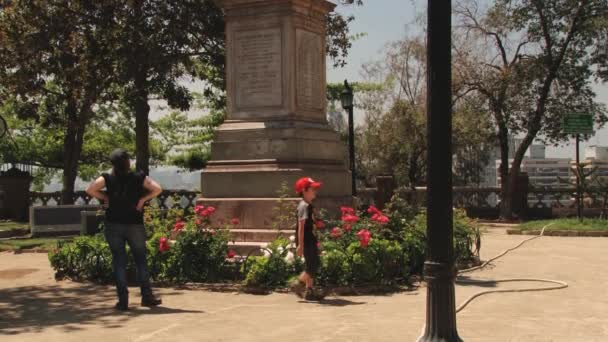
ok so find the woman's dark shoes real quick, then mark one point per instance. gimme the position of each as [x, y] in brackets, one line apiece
[122, 306]
[150, 300]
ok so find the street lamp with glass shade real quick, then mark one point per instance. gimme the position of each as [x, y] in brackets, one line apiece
[346, 97]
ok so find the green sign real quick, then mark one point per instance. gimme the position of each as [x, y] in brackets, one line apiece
[578, 124]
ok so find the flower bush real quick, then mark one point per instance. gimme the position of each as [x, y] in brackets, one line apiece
[275, 268]
[182, 247]
[365, 247]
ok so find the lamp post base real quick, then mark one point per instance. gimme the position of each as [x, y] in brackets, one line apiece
[440, 303]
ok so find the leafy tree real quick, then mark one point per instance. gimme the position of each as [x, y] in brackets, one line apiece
[62, 59]
[42, 146]
[533, 62]
[186, 141]
[393, 138]
[54, 70]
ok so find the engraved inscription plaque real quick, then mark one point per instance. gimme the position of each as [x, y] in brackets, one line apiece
[258, 68]
[309, 70]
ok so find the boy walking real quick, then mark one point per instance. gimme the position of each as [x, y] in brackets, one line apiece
[306, 241]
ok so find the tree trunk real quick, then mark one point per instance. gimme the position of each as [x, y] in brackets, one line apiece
[516, 166]
[72, 149]
[506, 208]
[142, 126]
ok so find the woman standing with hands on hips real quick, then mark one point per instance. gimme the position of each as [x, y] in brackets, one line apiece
[124, 199]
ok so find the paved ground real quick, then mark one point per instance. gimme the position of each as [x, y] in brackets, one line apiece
[33, 307]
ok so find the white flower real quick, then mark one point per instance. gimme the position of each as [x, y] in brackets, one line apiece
[280, 249]
[292, 238]
[290, 257]
[266, 253]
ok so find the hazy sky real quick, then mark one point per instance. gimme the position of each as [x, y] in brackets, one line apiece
[387, 20]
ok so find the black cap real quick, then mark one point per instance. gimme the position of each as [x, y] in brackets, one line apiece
[119, 156]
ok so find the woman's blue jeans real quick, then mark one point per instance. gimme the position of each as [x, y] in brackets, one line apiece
[117, 236]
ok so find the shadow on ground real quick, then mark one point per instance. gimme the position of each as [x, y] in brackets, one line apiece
[35, 308]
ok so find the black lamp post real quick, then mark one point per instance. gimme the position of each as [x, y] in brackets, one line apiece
[439, 271]
[347, 104]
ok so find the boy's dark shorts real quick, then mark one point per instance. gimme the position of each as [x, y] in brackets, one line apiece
[312, 262]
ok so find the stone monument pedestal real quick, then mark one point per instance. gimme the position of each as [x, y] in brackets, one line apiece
[276, 128]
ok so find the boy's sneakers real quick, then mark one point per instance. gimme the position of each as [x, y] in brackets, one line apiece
[298, 288]
[314, 295]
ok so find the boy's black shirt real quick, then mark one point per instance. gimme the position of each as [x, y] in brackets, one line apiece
[305, 212]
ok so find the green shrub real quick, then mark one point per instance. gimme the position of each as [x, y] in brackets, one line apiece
[275, 268]
[335, 268]
[85, 258]
[197, 255]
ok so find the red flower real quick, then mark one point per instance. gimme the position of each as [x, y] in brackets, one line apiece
[198, 221]
[350, 218]
[207, 212]
[163, 244]
[318, 245]
[231, 254]
[347, 210]
[235, 221]
[364, 237]
[348, 227]
[373, 210]
[380, 218]
[336, 232]
[320, 224]
[179, 225]
[199, 209]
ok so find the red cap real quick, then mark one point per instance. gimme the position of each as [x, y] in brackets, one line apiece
[306, 182]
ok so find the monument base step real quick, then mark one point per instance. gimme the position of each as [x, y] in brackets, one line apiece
[256, 235]
[250, 248]
[260, 213]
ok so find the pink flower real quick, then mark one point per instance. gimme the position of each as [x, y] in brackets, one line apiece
[198, 221]
[347, 210]
[373, 210]
[320, 224]
[350, 218]
[199, 209]
[364, 237]
[318, 245]
[235, 221]
[336, 232]
[163, 244]
[179, 225]
[231, 254]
